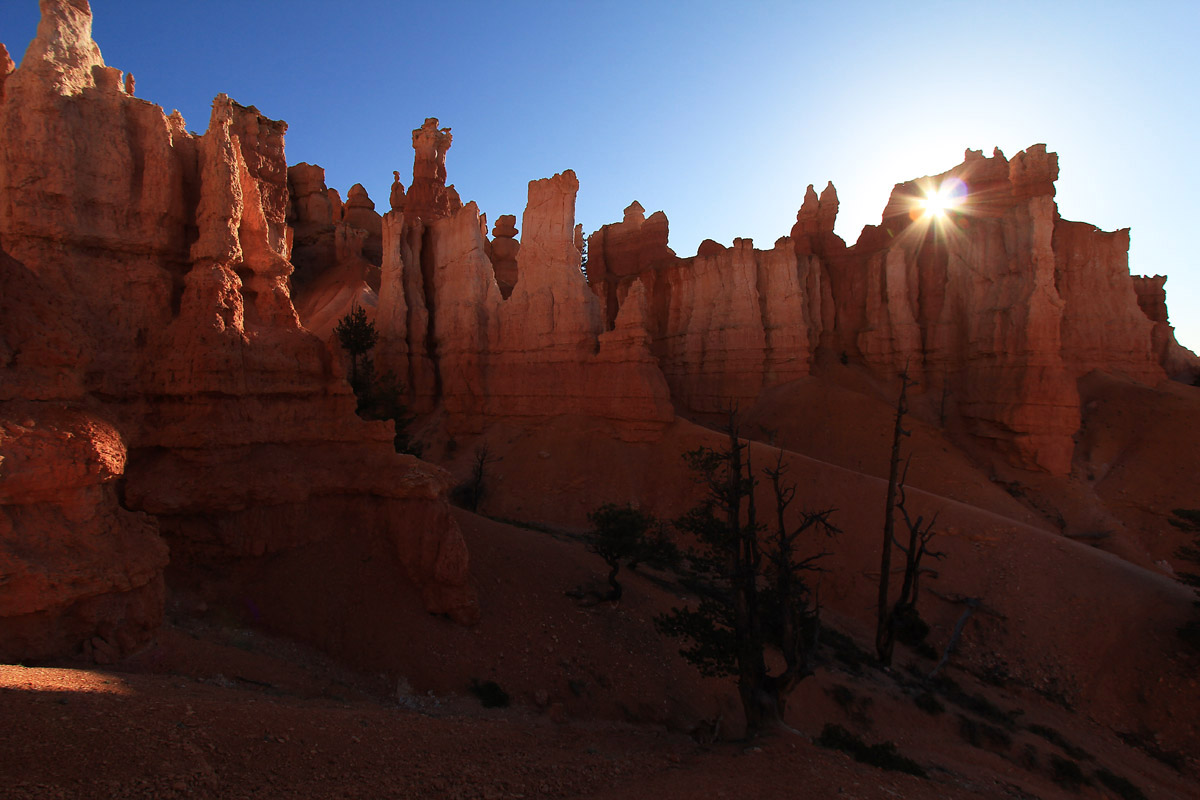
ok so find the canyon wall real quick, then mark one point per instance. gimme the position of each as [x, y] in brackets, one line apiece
[996, 307]
[159, 397]
[446, 326]
[164, 397]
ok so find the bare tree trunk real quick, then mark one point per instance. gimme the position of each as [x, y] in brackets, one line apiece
[614, 594]
[884, 632]
[972, 603]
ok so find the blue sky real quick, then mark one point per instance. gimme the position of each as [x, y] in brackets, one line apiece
[718, 113]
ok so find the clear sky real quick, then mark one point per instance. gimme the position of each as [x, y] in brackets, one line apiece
[718, 113]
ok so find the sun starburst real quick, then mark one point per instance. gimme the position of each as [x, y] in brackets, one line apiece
[947, 197]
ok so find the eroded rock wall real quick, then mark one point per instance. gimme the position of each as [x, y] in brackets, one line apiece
[537, 353]
[157, 384]
[996, 308]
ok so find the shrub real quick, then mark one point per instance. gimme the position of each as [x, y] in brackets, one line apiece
[1066, 773]
[1145, 742]
[980, 706]
[847, 651]
[490, 694]
[882, 755]
[928, 703]
[1120, 785]
[1056, 738]
[982, 735]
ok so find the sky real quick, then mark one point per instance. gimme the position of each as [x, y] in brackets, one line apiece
[718, 113]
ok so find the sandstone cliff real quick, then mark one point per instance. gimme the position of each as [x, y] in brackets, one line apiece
[158, 388]
[446, 326]
[996, 308]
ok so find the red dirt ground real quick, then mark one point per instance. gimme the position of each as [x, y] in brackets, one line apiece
[1076, 643]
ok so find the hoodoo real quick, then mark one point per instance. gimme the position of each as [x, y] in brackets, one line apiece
[177, 431]
[159, 394]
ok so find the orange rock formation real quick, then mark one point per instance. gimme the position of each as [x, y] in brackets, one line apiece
[996, 309]
[160, 384]
[158, 388]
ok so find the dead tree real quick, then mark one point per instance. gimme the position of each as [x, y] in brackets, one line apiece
[884, 637]
[903, 612]
[470, 493]
[920, 534]
[798, 607]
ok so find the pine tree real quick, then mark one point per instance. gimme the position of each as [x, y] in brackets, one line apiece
[751, 587]
[357, 336]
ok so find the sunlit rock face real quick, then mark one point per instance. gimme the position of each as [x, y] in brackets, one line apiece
[971, 282]
[157, 384]
[541, 352]
[994, 304]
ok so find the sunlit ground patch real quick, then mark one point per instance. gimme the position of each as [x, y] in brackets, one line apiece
[61, 680]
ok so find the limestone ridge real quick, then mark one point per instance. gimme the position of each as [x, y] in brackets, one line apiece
[157, 386]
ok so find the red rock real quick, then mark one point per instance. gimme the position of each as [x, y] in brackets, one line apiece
[1043, 302]
[179, 357]
[66, 544]
[625, 249]
[539, 353]
[396, 197]
[503, 252]
[428, 197]
[1179, 362]
[6, 68]
[360, 214]
[712, 341]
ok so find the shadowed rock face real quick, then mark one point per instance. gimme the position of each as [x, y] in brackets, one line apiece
[152, 349]
[996, 309]
[158, 387]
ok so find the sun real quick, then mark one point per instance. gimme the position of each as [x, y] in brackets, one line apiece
[937, 203]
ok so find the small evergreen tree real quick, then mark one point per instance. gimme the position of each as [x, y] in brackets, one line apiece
[379, 397]
[750, 586]
[357, 336]
[627, 535]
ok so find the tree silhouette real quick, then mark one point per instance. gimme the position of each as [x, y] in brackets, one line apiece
[902, 614]
[627, 535]
[751, 589]
[379, 396]
[357, 336]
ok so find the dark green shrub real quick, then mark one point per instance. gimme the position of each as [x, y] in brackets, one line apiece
[490, 694]
[910, 629]
[980, 706]
[1056, 738]
[1145, 742]
[1188, 521]
[1066, 773]
[882, 755]
[842, 695]
[857, 708]
[927, 702]
[926, 650]
[982, 735]
[846, 651]
[1120, 785]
